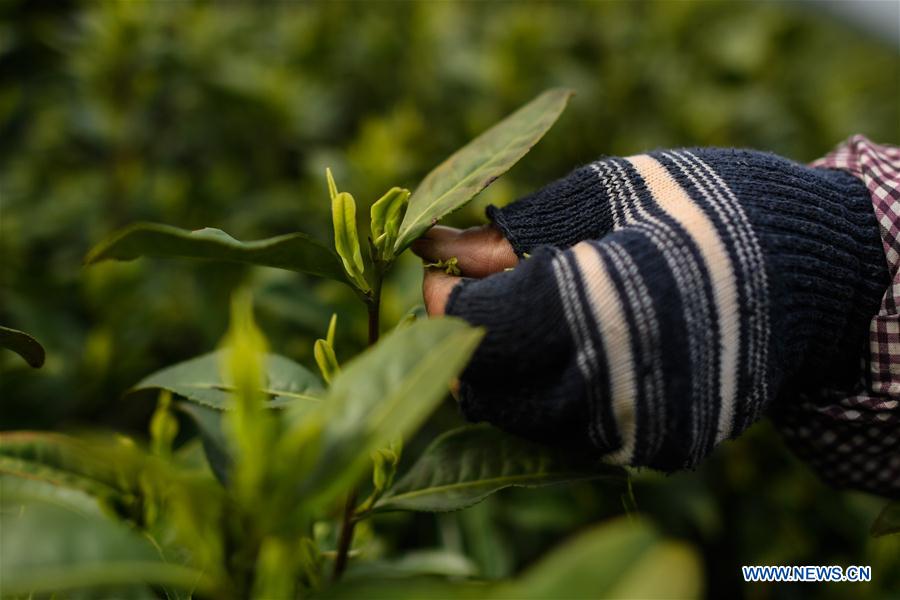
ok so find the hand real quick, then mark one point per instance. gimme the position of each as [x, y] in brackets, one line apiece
[668, 301]
[480, 251]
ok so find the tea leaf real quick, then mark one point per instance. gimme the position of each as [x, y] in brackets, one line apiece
[387, 587]
[332, 186]
[383, 394]
[490, 540]
[472, 168]
[293, 251]
[888, 521]
[50, 548]
[384, 468]
[332, 328]
[30, 484]
[22, 344]
[449, 266]
[163, 425]
[618, 559]
[200, 381]
[243, 361]
[58, 460]
[251, 427]
[207, 393]
[326, 360]
[323, 352]
[276, 568]
[346, 238]
[215, 442]
[386, 214]
[464, 466]
[438, 561]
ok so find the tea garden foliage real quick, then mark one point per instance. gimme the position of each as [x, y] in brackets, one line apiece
[284, 450]
[200, 116]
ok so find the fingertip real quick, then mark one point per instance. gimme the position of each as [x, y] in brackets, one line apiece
[431, 244]
[436, 289]
[421, 247]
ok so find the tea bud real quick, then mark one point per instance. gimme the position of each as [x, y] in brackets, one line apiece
[326, 360]
[386, 214]
[346, 238]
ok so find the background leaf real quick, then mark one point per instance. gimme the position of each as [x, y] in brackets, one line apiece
[464, 466]
[200, 380]
[57, 460]
[618, 559]
[383, 394]
[888, 521]
[77, 551]
[209, 423]
[83, 497]
[294, 251]
[207, 393]
[416, 563]
[412, 588]
[22, 344]
[472, 168]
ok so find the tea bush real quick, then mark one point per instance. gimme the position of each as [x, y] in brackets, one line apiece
[198, 116]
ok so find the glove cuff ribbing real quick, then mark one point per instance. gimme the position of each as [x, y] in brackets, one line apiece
[561, 214]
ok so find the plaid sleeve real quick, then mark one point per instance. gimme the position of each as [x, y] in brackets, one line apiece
[852, 437]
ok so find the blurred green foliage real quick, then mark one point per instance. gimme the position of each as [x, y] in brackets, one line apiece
[197, 115]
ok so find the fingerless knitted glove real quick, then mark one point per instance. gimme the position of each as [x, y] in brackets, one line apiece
[669, 299]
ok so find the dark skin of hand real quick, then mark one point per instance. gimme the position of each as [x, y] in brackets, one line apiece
[480, 251]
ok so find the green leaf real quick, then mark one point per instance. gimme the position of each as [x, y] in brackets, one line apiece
[163, 426]
[438, 561]
[323, 352]
[332, 328]
[383, 394]
[464, 466]
[326, 360]
[201, 381]
[332, 186]
[620, 559]
[22, 344]
[410, 588]
[489, 539]
[472, 168]
[57, 460]
[293, 251]
[386, 214]
[50, 548]
[346, 238]
[207, 393]
[209, 422]
[20, 485]
[888, 521]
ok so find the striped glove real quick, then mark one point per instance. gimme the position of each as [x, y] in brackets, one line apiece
[668, 299]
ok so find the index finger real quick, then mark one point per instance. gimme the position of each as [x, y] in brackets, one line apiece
[480, 251]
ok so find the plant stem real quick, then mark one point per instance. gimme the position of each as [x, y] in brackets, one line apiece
[345, 540]
[374, 307]
[348, 522]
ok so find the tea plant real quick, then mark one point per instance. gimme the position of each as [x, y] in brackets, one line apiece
[271, 507]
